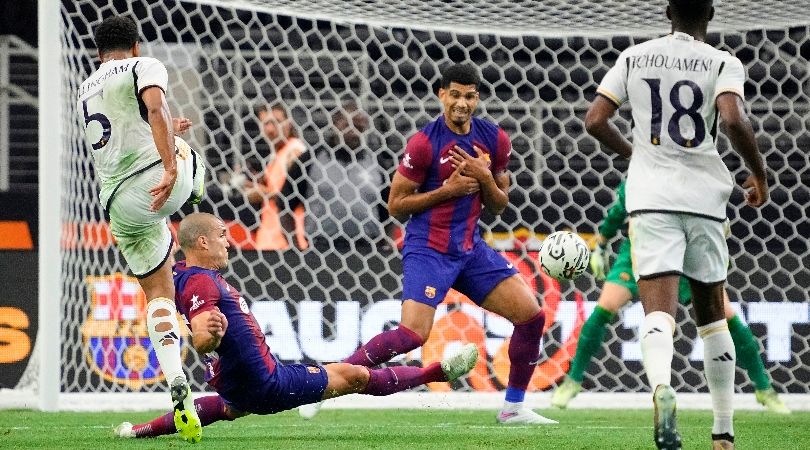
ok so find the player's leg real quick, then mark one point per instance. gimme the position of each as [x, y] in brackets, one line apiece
[749, 358]
[490, 281]
[427, 276]
[164, 332]
[658, 251]
[720, 355]
[211, 409]
[352, 379]
[423, 290]
[611, 299]
[657, 347]
[412, 332]
[619, 288]
[706, 266]
[144, 239]
[513, 300]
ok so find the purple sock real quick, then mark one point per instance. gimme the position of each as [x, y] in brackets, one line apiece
[385, 346]
[524, 351]
[210, 409]
[395, 379]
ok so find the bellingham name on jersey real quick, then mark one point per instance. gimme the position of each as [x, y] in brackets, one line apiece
[450, 227]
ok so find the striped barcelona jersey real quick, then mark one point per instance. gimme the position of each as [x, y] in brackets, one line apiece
[450, 227]
[672, 84]
[243, 357]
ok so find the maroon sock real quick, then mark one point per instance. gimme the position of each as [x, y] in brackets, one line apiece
[385, 346]
[210, 409]
[524, 351]
[395, 379]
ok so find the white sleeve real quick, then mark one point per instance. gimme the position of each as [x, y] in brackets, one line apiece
[151, 72]
[614, 85]
[731, 78]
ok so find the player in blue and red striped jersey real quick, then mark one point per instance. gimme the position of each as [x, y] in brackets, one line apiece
[451, 169]
[240, 367]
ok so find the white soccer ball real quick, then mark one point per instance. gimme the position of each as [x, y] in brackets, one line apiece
[564, 255]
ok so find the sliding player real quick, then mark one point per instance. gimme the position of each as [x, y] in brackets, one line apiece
[240, 366]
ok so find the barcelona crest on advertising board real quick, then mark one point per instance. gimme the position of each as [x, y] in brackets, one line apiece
[115, 338]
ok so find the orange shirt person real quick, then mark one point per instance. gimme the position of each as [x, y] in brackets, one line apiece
[278, 129]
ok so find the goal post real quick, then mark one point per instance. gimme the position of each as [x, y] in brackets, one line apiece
[375, 65]
[52, 148]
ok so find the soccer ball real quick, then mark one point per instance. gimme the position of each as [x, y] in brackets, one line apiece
[564, 255]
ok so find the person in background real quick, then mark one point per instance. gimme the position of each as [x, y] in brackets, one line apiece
[282, 218]
[346, 187]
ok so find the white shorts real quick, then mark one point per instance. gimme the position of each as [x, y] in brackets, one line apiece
[143, 236]
[679, 244]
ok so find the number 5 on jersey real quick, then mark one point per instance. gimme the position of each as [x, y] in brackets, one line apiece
[106, 127]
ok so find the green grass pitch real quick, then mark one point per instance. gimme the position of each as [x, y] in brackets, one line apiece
[403, 429]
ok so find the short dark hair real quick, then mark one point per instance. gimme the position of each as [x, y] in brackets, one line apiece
[275, 106]
[690, 11]
[267, 107]
[462, 74]
[116, 33]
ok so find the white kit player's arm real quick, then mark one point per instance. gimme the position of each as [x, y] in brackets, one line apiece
[598, 125]
[737, 126]
[160, 119]
[152, 81]
[612, 92]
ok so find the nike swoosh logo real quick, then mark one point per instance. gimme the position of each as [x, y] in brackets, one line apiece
[444, 160]
[509, 266]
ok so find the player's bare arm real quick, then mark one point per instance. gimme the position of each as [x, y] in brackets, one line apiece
[738, 128]
[207, 330]
[160, 120]
[404, 201]
[494, 188]
[598, 125]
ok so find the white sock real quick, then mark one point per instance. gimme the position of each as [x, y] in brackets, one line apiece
[510, 407]
[164, 332]
[657, 347]
[718, 367]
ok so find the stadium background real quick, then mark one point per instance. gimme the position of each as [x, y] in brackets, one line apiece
[561, 178]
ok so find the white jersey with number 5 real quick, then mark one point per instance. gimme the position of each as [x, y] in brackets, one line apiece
[672, 84]
[115, 121]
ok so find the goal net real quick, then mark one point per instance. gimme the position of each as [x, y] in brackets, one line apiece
[367, 71]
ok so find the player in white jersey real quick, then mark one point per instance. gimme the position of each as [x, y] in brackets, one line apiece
[146, 175]
[677, 191]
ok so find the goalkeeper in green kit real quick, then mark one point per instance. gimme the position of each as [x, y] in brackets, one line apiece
[619, 288]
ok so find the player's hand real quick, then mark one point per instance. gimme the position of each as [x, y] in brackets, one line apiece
[161, 191]
[217, 324]
[756, 190]
[461, 185]
[180, 125]
[599, 262]
[475, 166]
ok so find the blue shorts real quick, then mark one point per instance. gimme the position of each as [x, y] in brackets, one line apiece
[286, 388]
[428, 274]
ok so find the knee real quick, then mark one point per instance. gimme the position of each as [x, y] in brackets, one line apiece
[357, 377]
